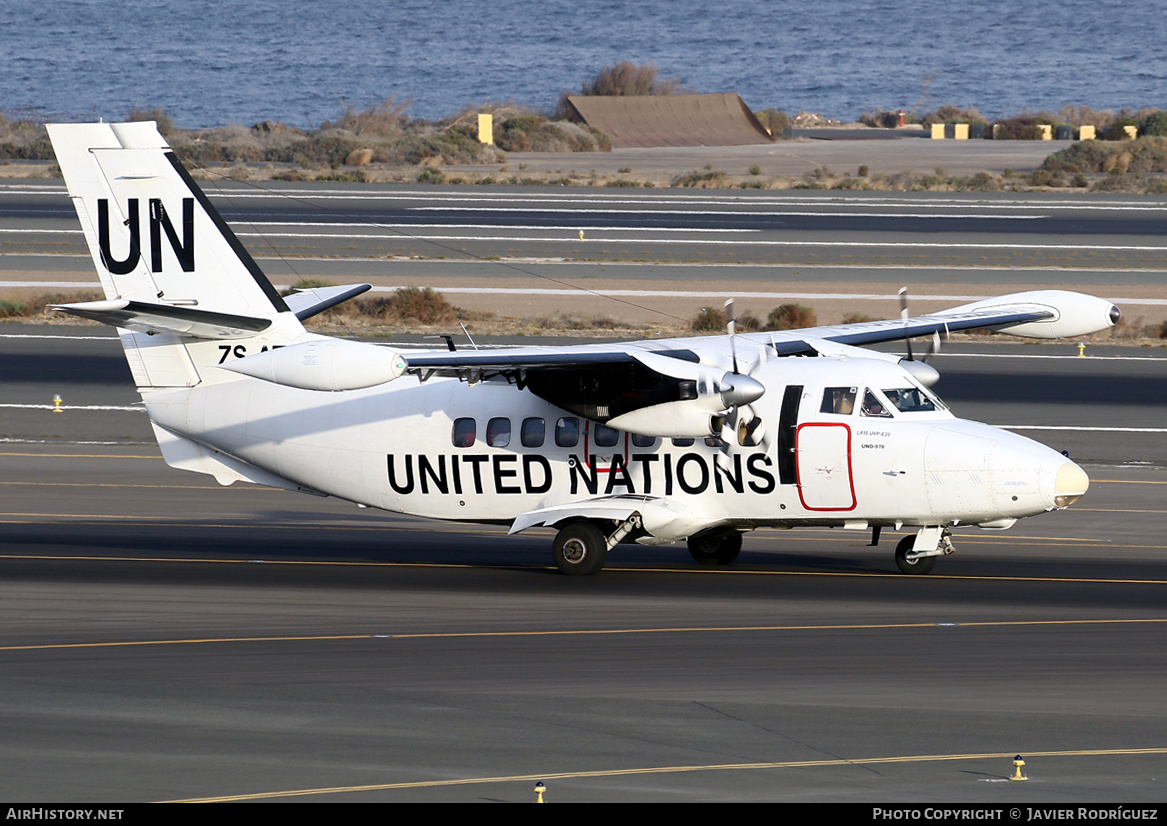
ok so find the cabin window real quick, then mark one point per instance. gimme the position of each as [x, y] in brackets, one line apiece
[643, 441]
[840, 400]
[567, 432]
[463, 435]
[533, 433]
[498, 432]
[682, 442]
[874, 406]
[606, 436]
[909, 400]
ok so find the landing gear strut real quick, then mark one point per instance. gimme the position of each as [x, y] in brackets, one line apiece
[716, 549]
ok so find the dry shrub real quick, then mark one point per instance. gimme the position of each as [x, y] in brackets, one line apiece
[791, 317]
[709, 320]
[776, 121]
[359, 157]
[411, 304]
[24, 138]
[1020, 128]
[948, 113]
[1142, 156]
[747, 323]
[387, 119]
[37, 306]
[713, 179]
[533, 133]
[857, 318]
[1085, 116]
[628, 78]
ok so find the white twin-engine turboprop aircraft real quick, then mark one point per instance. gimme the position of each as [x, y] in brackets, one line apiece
[696, 439]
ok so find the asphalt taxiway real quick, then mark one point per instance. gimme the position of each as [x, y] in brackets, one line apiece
[165, 638]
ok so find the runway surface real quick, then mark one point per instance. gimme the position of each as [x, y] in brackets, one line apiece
[164, 638]
[519, 251]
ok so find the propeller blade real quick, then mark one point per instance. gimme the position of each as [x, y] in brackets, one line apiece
[904, 317]
[731, 326]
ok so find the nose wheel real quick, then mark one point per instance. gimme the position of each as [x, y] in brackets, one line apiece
[908, 562]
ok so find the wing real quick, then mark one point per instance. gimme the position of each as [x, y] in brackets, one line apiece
[677, 387]
[1037, 314]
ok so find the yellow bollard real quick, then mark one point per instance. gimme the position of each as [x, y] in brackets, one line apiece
[539, 789]
[1081, 349]
[581, 235]
[1017, 764]
[486, 129]
[57, 405]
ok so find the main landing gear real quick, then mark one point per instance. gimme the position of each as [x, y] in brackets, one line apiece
[716, 549]
[581, 547]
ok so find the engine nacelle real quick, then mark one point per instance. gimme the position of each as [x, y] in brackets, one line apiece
[1074, 314]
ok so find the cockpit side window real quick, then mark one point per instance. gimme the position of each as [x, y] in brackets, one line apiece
[873, 406]
[840, 400]
[909, 400]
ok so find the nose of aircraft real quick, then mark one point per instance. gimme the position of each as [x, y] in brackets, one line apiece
[1070, 484]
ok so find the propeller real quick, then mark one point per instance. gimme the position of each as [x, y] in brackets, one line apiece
[924, 373]
[738, 392]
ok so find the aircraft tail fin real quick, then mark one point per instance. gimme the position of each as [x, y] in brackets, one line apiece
[175, 277]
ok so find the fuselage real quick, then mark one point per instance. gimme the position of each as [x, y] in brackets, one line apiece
[851, 441]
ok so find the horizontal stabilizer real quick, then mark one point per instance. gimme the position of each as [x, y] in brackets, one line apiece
[310, 302]
[163, 318]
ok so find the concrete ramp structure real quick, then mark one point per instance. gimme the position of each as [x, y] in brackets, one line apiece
[671, 120]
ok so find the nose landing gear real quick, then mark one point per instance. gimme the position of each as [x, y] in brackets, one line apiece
[932, 542]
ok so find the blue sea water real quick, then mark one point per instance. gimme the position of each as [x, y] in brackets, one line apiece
[211, 63]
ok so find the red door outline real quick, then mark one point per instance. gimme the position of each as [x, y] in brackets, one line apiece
[798, 465]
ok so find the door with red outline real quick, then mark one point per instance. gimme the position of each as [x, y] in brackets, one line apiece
[823, 456]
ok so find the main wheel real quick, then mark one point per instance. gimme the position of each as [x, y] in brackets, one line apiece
[920, 565]
[580, 549]
[716, 549]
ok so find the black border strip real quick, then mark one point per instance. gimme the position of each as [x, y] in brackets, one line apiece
[273, 295]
